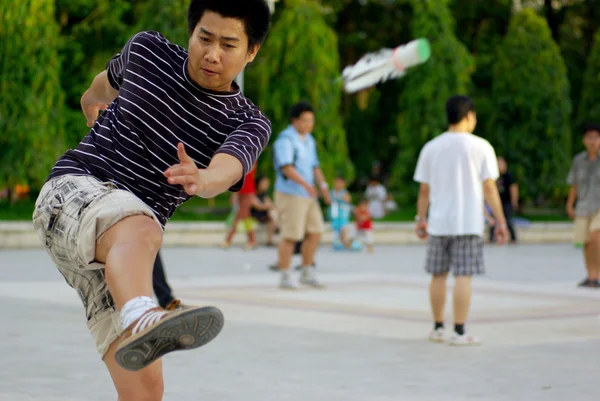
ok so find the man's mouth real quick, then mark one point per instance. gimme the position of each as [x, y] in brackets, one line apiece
[208, 72]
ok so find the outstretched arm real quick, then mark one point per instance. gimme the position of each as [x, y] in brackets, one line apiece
[97, 98]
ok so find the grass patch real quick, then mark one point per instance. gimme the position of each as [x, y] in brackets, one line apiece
[21, 210]
[197, 209]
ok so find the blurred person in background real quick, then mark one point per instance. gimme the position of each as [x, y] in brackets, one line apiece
[583, 203]
[298, 172]
[509, 194]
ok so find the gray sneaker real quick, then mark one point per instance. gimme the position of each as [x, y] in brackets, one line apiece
[309, 278]
[286, 282]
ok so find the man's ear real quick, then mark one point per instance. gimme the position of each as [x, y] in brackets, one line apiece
[252, 53]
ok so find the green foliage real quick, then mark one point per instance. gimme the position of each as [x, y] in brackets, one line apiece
[523, 98]
[167, 17]
[427, 87]
[369, 116]
[531, 121]
[31, 105]
[299, 61]
[589, 105]
[91, 33]
[481, 25]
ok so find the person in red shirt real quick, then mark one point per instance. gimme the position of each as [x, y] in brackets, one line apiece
[364, 223]
[245, 199]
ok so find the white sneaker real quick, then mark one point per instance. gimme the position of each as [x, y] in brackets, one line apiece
[286, 282]
[465, 339]
[437, 335]
[309, 278]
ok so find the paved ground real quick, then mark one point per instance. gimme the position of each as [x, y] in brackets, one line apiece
[361, 339]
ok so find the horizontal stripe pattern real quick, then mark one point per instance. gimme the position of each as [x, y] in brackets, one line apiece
[135, 140]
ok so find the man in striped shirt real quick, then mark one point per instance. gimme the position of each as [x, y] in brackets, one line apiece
[173, 125]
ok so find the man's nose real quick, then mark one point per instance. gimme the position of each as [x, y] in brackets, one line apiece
[212, 54]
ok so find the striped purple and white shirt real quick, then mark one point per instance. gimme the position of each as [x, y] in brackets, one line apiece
[135, 140]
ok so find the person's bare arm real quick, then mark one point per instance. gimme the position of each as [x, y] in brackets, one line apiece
[423, 202]
[97, 98]
[571, 201]
[422, 208]
[489, 218]
[292, 174]
[258, 205]
[322, 184]
[222, 173]
[492, 197]
[514, 195]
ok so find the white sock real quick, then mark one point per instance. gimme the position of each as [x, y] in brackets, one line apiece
[134, 308]
[307, 271]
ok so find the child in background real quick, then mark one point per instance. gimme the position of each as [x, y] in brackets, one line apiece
[263, 209]
[377, 196]
[340, 211]
[245, 198]
[364, 223]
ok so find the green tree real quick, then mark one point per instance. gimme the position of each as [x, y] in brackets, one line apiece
[427, 87]
[589, 105]
[369, 115]
[532, 109]
[481, 25]
[31, 131]
[299, 61]
[91, 33]
[167, 17]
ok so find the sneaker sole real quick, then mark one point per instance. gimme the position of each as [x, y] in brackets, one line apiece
[288, 288]
[316, 286]
[464, 344]
[189, 329]
[437, 340]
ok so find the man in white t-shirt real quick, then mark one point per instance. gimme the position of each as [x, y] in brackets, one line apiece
[457, 171]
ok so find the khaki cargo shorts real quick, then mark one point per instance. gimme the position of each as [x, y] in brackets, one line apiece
[584, 226]
[71, 213]
[297, 216]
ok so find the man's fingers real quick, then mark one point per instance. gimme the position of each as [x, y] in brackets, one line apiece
[191, 189]
[91, 113]
[182, 155]
[90, 117]
[182, 180]
[181, 169]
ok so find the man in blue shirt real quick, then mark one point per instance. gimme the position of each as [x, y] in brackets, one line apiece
[300, 217]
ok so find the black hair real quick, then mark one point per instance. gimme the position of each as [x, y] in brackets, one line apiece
[255, 15]
[457, 108]
[259, 178]
[299, 108]
[591, 127]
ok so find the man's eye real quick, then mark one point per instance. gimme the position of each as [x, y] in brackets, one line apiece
[204, 39]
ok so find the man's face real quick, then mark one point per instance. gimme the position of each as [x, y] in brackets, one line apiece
[502, 167]
[339, 184]
[591, 140]
[263, 185]
[305, 123]
[218, 51]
